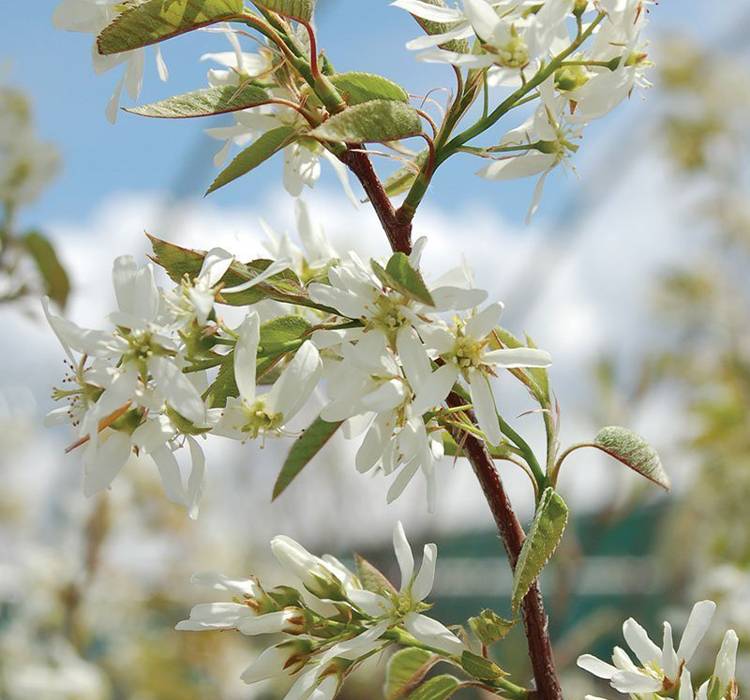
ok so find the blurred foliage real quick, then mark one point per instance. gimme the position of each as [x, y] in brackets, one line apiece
[29, 264]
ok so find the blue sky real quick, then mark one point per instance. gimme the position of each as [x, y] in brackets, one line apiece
[147, 155]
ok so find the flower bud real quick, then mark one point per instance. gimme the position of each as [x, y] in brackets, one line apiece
[310, 569]
[287, 621]
[726, 662]
[579, 7]
[571, 78]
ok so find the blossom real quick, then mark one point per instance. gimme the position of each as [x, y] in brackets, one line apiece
[661, 670]
[250, 415]
[90, 17]
[546, 139]
[317, 652]
[466, 350]
[512, 37]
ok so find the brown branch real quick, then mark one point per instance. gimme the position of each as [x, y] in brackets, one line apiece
[397, 230]
[534, 617]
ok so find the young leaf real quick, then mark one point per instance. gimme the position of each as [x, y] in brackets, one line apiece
[489, 627]
[481, 668]
[357, 88]
[438, 688]
[277, 338]
[53, 274]
[261, 150]
[544, 537]
[303, 450]
[153, 21]
[301, 10]
[204, 103]
[402, 180]
[400, 276]
[369, 122]
[405, 671]
[634, 452]
[372, 578]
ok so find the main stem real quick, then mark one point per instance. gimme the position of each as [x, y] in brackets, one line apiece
[535, 621]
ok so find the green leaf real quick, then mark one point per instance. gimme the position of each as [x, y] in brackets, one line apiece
[53, 274]
[374, 121]
[277, 338]
[438, 688]
[204, 103]
[301, 10]
[303, 450]
[402, 180]
[489, 627]
[284, 287]
[224, 386]
[400, 276]
[544, 537]
[481, 668]
[431, 28]
[405, 671]
[372, 578]
[153, 21]
[634, 452]
[258, 152]
[356, 88]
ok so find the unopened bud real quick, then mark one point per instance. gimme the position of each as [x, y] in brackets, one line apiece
[579, 7]
[311, 570]
[726, 661]
[571, 78]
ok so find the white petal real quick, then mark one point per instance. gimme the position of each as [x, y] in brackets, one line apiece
[485, 321]
[669, 661]
[597, 667]
[686, 686]
[178, 391]
[426, 577]
[268, 665]
[245, 357]
[726, 661]
[404, 555]
[638, 640]
[509, 358]
[402, 480]
[483, 18]
[484, 407]
[434, 391]
[169, 471]
[518, 167]
[413, 357]
[102, 462]
[695, 629]
[215, 265]
[273, 269]
[270, 623]
[161, 66]
[425, 10]
[220, 582]
[196, 480]
[433, 633]
[297, 381]
[635, 682]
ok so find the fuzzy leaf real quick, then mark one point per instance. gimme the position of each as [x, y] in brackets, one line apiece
[438, 688]
[357, 88]
[204, 103]
[303, 450]
[374, 121]
[153, 21]
[481, 668]
[402, 180]
[634, 452]
[489, 627]
[544, 537]
[400, 276]
[258, 152]
[405, 671]
[301, 10]
[431, 28]
[372, 578]
[53, 274]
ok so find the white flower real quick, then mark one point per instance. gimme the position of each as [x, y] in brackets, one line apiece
[251, 415]
[466, 352]
[90, 17]
[547, 139]
[512, 36]
[237, 65]
[659, 668]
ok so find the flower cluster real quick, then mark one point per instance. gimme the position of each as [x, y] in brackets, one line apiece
[332, 618]
[664, 671]
[388, 348]
[588, 57]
